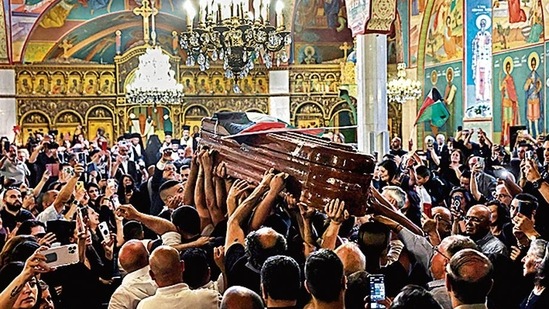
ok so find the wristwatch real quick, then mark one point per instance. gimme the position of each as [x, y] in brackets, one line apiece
[537, 183]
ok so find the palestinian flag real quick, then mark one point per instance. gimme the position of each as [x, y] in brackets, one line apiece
[433, 109]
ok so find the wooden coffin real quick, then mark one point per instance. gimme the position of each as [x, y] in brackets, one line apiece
[327, 170]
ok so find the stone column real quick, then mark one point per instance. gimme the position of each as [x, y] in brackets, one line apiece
[279, 86]
[371, 76]
[8, 110]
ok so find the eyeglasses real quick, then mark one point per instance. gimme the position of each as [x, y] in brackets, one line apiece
[498, 196]
[436, 250]
[474, 219]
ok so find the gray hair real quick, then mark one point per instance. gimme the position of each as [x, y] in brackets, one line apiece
[537, 247]
[397, 194]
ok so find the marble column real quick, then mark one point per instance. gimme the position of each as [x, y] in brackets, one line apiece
[409, 112]
[371, 76]
[279, 88]
[8, 110]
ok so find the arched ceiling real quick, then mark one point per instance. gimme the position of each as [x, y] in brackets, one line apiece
[39, 28]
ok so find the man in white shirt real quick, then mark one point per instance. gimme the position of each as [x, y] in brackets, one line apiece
[166, 270]
[137, 284]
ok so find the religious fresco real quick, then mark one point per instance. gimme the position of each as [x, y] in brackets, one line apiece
[395, 44]
[319, 27]
[417, 10]
[546, 87]
[478, 59]
[92, 23]
[516, 23]
[448, 80]
[403, 16]
[518, 91]
[148, 120]
[445, 34]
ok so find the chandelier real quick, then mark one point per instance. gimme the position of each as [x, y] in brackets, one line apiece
[402, 89]
[235, 33]
[154, 80]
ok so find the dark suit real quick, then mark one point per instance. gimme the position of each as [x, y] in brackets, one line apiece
[132, 170]
[443, 153]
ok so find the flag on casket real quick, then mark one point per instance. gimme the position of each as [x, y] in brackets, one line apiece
[253, 123]
[433, 109]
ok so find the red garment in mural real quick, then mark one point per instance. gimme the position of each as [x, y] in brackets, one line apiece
[516, 14]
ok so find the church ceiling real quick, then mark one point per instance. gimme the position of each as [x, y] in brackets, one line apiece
[87, 28]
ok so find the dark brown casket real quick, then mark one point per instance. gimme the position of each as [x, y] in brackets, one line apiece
[326, 170]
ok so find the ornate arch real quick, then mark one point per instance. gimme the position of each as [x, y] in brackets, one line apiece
[99, 107]
[66, 113]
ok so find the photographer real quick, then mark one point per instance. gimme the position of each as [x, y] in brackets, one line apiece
[45, 157]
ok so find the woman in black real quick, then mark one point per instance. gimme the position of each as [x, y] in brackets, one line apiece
[536, 263]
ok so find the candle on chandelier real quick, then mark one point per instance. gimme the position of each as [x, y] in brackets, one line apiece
[190, 14]
[279, 17]
[267, 13]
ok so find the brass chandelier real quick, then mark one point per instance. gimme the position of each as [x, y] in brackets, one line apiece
[236, 34]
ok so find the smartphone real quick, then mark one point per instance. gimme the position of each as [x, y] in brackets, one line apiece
[81, 157]
[456, 203]
[480, 161]
[526, 208]
[61, 256]
[53, 168]
[81, 224]
[83, 212]
[104, 230]
[529, 154]
[79, 185]
[103, 145]
[68, 170]
[377, 290]
[115, 201]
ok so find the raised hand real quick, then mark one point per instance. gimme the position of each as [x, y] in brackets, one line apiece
[277, 183]
[36, 263]
[335, 210]
[128, 212]
[306, 212]
[47, 240]
[267, 177]
[219, 257]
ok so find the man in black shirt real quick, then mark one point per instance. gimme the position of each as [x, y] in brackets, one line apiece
[12, 213]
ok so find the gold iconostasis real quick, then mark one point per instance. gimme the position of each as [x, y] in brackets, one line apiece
[67, 96]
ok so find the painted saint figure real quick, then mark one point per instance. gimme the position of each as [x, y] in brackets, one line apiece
[533, 86]
[449, 98]
[509, 102]
[58, 88]
[482, 61]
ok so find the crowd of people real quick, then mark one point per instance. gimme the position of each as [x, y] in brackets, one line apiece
[457, 224]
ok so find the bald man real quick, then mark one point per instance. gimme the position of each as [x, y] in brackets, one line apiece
[477, 226]
[239, 297]
[469, 279]
[137, 284]
[166, 269]
[443, 216]
[352, 258]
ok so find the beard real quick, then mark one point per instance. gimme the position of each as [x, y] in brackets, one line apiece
[15, 207]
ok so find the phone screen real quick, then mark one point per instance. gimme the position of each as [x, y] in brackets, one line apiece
[103, 145]
[377, 290]
[53, 169]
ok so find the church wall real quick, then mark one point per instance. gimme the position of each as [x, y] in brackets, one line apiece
[518, 77]
[517, 31]
[448, 80]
